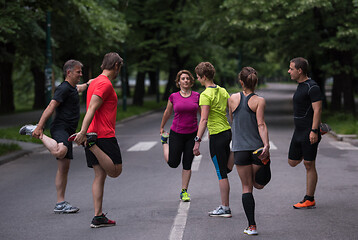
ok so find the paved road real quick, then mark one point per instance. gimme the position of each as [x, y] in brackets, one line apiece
[144, 200]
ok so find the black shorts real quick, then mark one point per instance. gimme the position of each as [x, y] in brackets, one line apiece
[301, 147]
[60, 135]
[220, 151]
[107, 145]
[263, 175]
[181, 144]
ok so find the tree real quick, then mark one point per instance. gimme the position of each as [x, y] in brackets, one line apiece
[19, 30]
[81, 29]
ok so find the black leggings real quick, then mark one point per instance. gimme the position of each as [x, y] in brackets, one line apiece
[220, 152]
[181, 144]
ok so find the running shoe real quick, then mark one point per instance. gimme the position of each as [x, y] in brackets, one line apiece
[65, 207]
[263, 175]
[91, 138]
[164, 137]
[220, 212]
[251, 230]
[27, 129]
[184, 196]
[324, 128]
[102, 221]
[257, 153]
[305, 204]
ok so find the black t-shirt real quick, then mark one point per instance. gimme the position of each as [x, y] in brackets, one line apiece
[307, 93]
[68, 112]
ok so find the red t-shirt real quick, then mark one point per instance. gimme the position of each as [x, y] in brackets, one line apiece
[104, 120]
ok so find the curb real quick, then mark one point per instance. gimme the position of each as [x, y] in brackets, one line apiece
[20, 153]
[12, 156]
[351, 138]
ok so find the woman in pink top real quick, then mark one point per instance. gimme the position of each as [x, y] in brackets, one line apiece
[185, 104]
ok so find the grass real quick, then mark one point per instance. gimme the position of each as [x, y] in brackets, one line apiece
[341, 123]
[8, 148]
[13, 132]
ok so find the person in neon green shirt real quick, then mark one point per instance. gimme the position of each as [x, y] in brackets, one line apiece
[213, 102]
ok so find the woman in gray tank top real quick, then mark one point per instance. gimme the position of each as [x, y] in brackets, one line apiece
[249, 132]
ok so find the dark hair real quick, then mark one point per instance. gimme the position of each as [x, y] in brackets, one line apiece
[70, 65]
[184, 72]
[205, 69]
[302, 63]
[248, 76]
[110, 60]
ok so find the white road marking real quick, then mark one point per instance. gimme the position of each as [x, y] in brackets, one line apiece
[142, 146]
[179, 222]
[196, 163]
[343, 146]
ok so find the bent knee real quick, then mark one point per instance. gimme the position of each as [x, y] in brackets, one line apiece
[258, 186]
[116, 172]
[173, 164]
[60, 154]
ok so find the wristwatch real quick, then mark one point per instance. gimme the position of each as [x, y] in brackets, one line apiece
[314, 130]
[197, 139]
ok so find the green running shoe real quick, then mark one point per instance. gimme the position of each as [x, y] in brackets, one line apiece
[164, 137]
[185, 196]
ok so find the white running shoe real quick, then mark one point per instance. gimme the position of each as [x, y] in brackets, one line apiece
[251, 230]
[27, 129]
[220, 212]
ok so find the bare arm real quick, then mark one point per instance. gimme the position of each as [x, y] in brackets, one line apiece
[317, 110]
[205, 110]
[261, 125]
[233, 102]
[95, 103]
[84, 86]
[167, 113]
[38, 132]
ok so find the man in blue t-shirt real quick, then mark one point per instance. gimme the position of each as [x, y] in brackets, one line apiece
[66, 103]
[307, 108]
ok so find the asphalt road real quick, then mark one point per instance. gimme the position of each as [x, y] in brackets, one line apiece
[144, 200]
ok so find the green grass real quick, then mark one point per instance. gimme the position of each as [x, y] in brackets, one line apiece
[8, 148]
[341, 123]
[13, 132]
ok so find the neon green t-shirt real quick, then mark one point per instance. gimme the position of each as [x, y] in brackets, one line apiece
[216, 98]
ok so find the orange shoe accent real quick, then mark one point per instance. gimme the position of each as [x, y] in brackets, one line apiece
[305, 204]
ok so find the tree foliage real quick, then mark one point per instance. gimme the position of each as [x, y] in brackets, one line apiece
[167, 36]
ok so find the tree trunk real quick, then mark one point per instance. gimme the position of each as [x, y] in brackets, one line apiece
[336, 93]
[139, 91]
[39, 78]
[343, 84]
[174, 68]
[153, 82]
[6, 86]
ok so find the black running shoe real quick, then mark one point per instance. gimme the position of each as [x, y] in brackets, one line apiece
[91, 139]
[102, 221]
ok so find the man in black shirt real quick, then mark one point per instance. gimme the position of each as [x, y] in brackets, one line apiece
[307, 108]
[66, 102]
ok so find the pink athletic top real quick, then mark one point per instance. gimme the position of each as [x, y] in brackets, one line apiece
[185, 112]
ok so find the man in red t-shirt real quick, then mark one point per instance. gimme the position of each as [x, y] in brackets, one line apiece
[102, 153]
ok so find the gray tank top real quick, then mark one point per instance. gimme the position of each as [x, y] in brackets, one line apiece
[245, 134]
